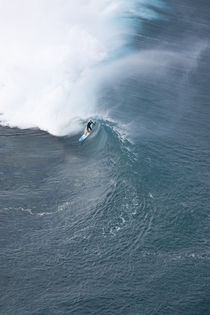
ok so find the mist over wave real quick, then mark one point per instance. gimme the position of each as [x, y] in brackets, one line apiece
[53, 58]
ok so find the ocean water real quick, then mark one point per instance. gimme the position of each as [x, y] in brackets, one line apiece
[119, 224]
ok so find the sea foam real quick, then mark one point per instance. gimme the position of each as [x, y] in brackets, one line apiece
[51, 58]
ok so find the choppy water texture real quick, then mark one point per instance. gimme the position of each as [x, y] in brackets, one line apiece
[119, 224]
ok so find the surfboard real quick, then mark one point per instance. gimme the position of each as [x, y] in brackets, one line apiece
[86, 134]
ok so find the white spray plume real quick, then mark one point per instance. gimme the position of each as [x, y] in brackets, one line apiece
[49, 52]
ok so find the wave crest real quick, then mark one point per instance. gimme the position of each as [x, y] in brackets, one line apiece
[51, 57]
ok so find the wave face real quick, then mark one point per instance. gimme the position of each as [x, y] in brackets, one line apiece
[52, 55]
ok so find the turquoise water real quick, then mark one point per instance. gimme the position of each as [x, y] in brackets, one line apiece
[120, 223]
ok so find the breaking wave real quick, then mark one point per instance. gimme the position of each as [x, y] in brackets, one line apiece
[53, 55]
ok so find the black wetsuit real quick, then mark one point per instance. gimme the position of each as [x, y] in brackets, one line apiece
[89, 126]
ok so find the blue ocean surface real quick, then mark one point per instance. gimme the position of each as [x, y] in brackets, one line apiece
[118, 224]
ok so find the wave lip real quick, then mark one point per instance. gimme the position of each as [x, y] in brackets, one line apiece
[51, 59]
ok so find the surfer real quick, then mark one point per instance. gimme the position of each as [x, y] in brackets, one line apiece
[90, 122]
[88, 130]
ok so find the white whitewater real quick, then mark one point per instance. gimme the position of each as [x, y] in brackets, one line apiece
[51, 56]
